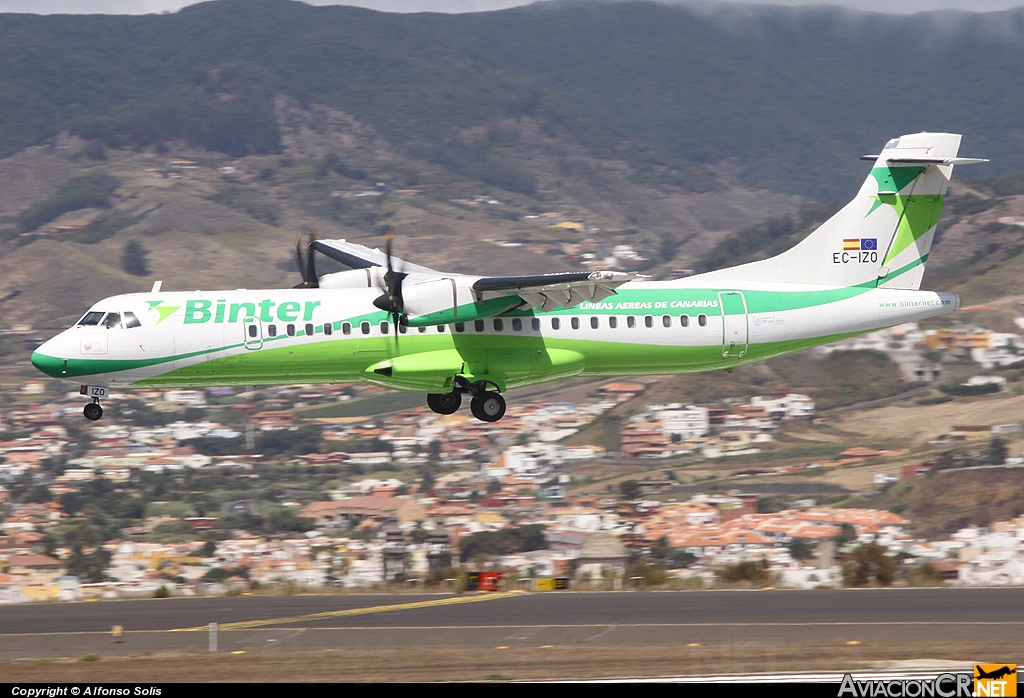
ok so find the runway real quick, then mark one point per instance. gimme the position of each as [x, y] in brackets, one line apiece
[517, 619]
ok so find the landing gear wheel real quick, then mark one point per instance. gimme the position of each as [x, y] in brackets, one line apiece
[444, 403]
[488, 407]
[93, 411]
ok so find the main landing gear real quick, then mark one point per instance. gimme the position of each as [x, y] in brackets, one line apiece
[444, 403]
[486, 405]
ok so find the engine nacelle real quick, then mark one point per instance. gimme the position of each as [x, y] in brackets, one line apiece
[371, 277]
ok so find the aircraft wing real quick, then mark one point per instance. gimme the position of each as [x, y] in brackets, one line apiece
[360, 257]
[548, 291]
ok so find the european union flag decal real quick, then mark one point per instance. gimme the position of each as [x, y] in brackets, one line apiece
[869, 243]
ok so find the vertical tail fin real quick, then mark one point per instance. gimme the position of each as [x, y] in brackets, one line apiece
[881, 238]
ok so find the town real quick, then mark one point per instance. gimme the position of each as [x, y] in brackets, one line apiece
[294, 489]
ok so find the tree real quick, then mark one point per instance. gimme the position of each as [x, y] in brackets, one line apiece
[997, 451]
[801, 549]
[134, 258]
[89, 568]
[847, 534]
[630, 489]
[867, 564]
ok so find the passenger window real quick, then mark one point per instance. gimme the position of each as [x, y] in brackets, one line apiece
[684, 320]
[364, 327]
[440, 328]
[403, 328]
[91, 318]
[478, 325]
[630, 322]
[517, 324]
[271, 330]
[384, 328]
[575, 323]
[535, 324]
[556, 323]
[702, 320]
[252, 330]
[648, 321]
[422, 330]
[112, 320]
[131, 321]
[346, 328]
[460, 327]
[499, 325]
[594, 323]
[328, 328]
[613, 322]
[666, 320]
[309, 329]
[291, 330]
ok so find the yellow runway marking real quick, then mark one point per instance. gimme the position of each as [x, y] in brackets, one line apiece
[398, 607]
[246, 624]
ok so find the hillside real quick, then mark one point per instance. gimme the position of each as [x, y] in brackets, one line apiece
[770, 97]
[68, 208]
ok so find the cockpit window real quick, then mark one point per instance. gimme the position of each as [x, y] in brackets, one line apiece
[131, 321]
[112, 320]
[93, 317]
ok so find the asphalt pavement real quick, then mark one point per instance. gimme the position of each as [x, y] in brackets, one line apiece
[517, 619]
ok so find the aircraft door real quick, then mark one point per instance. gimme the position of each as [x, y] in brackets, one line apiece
[733, 307]
[253, 333]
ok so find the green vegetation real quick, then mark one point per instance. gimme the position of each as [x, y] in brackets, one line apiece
[105, 225]
[765, 239]
[834, 380]
[748, 571]
[950, 498]
[134, 258]
[868, 565]
[87, 191]
[662, 88]
[252, 203]
[503, 542]
[960, 389]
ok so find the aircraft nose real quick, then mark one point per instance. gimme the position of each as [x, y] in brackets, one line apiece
[53, 366]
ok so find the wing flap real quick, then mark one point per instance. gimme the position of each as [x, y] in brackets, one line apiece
[549, 291]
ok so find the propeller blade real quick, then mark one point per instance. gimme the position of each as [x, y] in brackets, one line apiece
[310, 277]
[299, 261]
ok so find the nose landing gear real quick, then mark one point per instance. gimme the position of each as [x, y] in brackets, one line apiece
[93, 411]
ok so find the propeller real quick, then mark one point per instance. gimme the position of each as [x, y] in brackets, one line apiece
[391, 300]
[306, 263]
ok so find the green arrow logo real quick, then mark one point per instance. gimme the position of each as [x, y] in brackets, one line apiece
[164, 310]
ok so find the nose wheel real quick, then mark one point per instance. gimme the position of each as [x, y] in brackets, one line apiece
[93, 411]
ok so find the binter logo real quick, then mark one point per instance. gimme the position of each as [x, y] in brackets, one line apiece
[198, 312]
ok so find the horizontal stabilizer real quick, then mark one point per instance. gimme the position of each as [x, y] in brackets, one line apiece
[905, 160]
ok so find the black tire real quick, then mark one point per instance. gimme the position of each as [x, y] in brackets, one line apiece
[444, 403]
[489, 407]
[92, 411]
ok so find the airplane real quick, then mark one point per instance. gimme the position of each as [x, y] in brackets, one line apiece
[399, 325]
